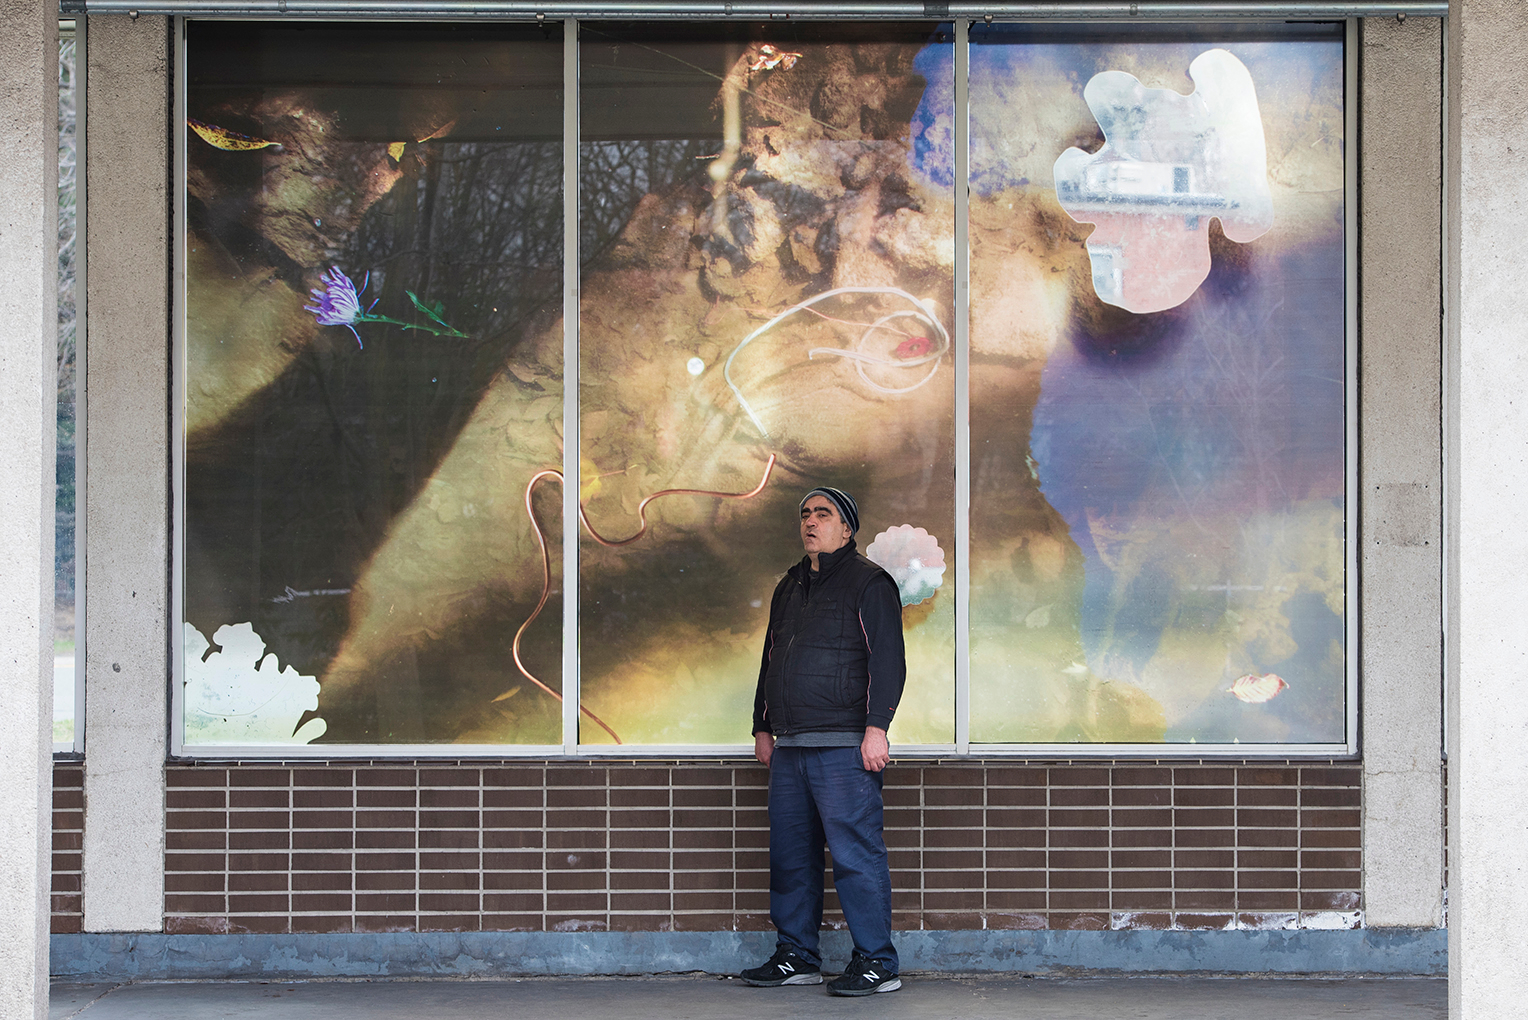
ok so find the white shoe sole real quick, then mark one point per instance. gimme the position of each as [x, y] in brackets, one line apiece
[794, 979]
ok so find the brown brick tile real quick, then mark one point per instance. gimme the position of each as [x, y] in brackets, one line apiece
[1204, 859]
[945, 880]
[1204, 777]
[173, 840]
[259, 798]
[1090, 818]
[1319, 818]
[1247, 879]
[579, 902]
[324, 924]
[952, 837]
[1267, 837]
[1204, 837]
[195, 883]
[1321, 880]
[1257, 776]
[436, 778]
[258, 839]
[580, 775]
[1249, 860]
[454, 881]
[178, 862]
[323, 819]
[953, 900]
[640, 860]
[366, 839]
[259, 924]
[1015, 921]
[180, 800]
[174, 777]
[1073, 775]
[384, 902]
[1333, 776]
[1091, 859]
[449, 839]
[1329, 899]
[527, 902]
[1330, 839]
[195, 903]
[635, 797]
[190, 820]
[457, 797]
[326, 902]
[1204, 796]
[399, 819]
[703, 900]
[64, 924]
[450, 922]
[259, 903]
[953, 797]
[702, 818]
[1210, 922]
[1010, 818]
[703, 839]
[449, 903]
[1144, 920]
[385, 922]
[1147, 776]
[442, 819]
[1184, 878]
[385, 797]
[1093, 880]
[322, 881]
[576, 840]
[1066, 920]
[532, 776]
[642, 776]
[1205, 900]
[245, 776]
[513, 798]
[455, 860]
[332, 776]
[1268, 899]
[1332, 859]
[1018, 796]
[1155, 837]
[1079, 796]
[1141, 899]
[1142, 818]
[65, 883]
[1160, 859]
[1142, 879]
[1273, 796]
[1141, 796]
[400, 777]
[323, 798]
[1079, 837]
[902, 796]
[259, 862]
[708, 921]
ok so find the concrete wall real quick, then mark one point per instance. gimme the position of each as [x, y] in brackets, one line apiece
[127, 448]
[1401, 491]
[1488, 718]
[28, 393]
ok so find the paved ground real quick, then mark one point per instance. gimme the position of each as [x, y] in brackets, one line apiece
[705, 998]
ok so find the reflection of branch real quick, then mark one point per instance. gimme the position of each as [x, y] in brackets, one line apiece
[546, 559]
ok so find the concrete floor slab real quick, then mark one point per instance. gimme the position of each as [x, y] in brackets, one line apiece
[710, 998]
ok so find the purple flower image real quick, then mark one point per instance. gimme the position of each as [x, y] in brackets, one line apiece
[339, 304]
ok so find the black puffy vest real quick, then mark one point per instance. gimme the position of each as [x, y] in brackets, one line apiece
[818, 676]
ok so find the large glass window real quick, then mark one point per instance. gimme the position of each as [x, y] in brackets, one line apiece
[1132, 313]
[68, 666]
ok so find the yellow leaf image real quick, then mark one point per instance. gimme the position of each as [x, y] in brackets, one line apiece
[588, 479]
[395, 150]
[232, 141]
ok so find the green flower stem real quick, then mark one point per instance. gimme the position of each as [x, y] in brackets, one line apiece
[447, 331]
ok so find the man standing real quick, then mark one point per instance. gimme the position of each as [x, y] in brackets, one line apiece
[829, 684]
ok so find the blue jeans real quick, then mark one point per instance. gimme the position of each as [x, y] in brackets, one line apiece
[817, 795]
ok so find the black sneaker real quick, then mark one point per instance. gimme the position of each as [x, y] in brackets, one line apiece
[864, 976]
[784, 968]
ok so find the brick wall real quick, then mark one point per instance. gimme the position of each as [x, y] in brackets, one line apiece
[68, 837]
[683, 846]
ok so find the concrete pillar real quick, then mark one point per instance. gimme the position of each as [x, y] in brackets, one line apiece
[28, 396]
[1401, 491]
[128, 496]
[1487, 185]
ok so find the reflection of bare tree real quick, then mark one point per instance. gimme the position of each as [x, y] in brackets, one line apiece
[615, 175]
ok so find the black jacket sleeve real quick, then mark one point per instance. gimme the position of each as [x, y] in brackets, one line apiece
[760, 715]
[881, 618]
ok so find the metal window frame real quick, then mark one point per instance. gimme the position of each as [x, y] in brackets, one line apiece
[961, 748]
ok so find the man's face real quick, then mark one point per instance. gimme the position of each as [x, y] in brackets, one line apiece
[822, 530]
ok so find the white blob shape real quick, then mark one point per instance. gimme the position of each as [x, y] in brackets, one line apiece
[695, 366]
[913, 559]
[1168, 164]
[239, 695]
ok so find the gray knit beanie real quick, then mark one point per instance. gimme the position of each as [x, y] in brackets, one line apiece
[848, 510]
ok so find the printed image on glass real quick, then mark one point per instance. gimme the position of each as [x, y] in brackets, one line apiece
[1158, 388]
[776, 314]
[373, 260]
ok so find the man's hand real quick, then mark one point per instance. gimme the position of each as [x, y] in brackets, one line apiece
[875, 751]
[764, 746]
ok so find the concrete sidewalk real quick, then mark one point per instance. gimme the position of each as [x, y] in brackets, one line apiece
[703, 997]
